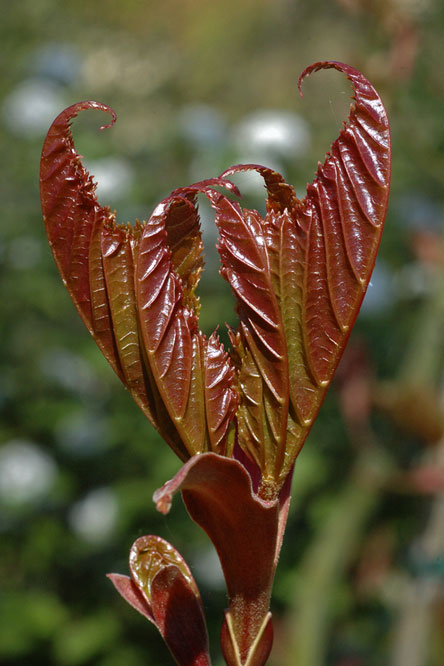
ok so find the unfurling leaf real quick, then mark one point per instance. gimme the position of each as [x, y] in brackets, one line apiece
[134, 287]
[299, 277]
[162, 589]
[175, 348]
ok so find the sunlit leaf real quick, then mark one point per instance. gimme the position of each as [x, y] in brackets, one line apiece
[157, 350]
[199, 399]
[244, 529]
[74, 219]
[163, 589]
[300, 276]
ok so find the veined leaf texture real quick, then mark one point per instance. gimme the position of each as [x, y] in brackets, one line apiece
[299, 276]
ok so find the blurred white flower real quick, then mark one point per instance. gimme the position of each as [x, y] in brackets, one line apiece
[27, 473]
[267, 134]
[113, 175]
[32, 106]
[202, 124]
[94, 518]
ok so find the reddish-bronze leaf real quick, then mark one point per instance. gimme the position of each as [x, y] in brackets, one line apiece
[101, 322]
[199, 399]
[73, 220]
[127, 589]
[220, 397]
[260, 343]
[346, 206]
[299, 277]
[117, 260]
[158, 352]
[315, 256]
[185, 243]
[163, 589]
[169, 329]
[96, 260]
[244, 529]
[149, 555]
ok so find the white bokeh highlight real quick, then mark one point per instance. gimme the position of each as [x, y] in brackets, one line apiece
[27, 473]
[94, 517]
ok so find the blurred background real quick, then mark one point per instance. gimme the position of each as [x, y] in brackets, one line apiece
[199, 86]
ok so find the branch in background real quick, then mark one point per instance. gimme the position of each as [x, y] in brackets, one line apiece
[334, 547]
[331, 553]
[412, 641]
[308, 621]
[413, 634]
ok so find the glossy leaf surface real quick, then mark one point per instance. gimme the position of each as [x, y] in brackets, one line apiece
[300, 276]
[179, 378]
[192, 372]
[162, 589]
[245, 531]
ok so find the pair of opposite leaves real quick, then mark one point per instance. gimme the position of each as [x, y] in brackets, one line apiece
[299, 277]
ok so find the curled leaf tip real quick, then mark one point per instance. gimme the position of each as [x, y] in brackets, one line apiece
[237, 419]
[99, 106]
[350, 72]
[205, 186]
[298, 275]
[72, 111]
[113, 118]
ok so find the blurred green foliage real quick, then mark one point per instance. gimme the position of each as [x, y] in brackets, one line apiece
[78, 461]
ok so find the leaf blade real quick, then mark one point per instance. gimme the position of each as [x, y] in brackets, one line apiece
[77, 227]
[163, 589]
[166, 277]
[69, 205]
[320, 254]
[260, 344]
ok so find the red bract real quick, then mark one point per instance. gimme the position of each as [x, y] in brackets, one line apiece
[299, 276]
[247, 533]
